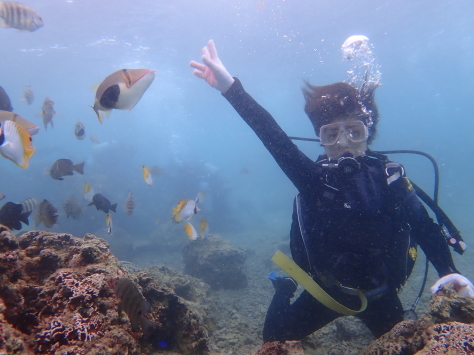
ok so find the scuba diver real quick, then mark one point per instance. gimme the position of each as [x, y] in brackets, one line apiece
[357, 219]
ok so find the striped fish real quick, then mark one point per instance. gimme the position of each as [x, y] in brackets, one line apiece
[19, 16]
[129, 204]
[132, 302]
[29, 205]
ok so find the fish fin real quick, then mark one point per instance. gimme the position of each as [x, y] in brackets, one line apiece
[52, 125]
[113, 207]
[37, 221]
[79, 168]
[24, 218]
[95, 87]
[98, 113]
[90, 204]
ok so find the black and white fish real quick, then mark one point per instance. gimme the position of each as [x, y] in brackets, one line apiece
[19, 16]
[129, 204]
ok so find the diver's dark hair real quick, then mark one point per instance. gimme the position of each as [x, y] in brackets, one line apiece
[325, 103]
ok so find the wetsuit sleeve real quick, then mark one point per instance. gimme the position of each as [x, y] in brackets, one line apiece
[427, 234]
[295, 164]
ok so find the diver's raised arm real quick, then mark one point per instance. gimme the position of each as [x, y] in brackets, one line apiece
[213, 71]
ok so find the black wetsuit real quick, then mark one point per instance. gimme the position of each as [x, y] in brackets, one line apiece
[359, 227]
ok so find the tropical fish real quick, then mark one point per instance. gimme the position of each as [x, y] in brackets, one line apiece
[186, 209]
[88, 192]
[132, 302]
[129, 204]
[190, 231]
[63, 167]
[19, 16]
[29, 205]
[108, 223]
[12, 214]
[5, 103]
[47, 112]
[122, 90]
[46, 213]
[15, 143]
[95, 139]
[30, 127]
[2, 196]
[147, 176]
[80, 131]
[102, 203]
[156, 170]
[73, 208]
[204, 230]
[28, 95]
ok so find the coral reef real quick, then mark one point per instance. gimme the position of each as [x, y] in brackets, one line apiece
[277, 348]
[56, 297]
[448, 328]
[216, 261]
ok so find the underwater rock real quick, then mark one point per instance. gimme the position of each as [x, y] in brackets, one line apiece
[277, 348]
[57, 297]
[447, 328]
[216, 261]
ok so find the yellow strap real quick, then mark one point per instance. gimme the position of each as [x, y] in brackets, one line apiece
[290, 267]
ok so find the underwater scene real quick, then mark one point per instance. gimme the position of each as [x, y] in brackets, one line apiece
[151, 152]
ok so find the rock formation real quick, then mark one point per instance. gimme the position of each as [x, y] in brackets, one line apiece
[57, 297]
[216, 261]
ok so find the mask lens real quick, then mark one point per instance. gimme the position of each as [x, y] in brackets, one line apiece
[355, 131]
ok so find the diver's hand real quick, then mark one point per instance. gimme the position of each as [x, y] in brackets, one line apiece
[463, 286]
[213, 71]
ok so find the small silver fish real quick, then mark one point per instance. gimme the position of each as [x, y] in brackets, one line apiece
[19, 16]
[28, 95]
[108, 223]
[129, 204]
[47, 112]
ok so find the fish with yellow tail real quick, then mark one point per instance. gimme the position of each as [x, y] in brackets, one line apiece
[147, 176]
[190, 231]
[30, 127]
[108, 223]
[19, 16]
[88, 192]
[15, 143]
[122, 90]
[204, 230]
[185, 209]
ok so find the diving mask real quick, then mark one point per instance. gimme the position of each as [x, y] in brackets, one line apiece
[355, 131]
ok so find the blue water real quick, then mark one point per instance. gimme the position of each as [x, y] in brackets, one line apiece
[425, 49]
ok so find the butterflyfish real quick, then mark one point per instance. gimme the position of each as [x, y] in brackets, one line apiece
[147, 176]
[88, 192]
[19, 16]
[122, 90]
[80, 131]
[30, 127]
[185, 209]
[190, 231]
[108, 223]
[15, 143]
[204, 230]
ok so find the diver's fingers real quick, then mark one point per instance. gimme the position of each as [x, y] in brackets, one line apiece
[197, 65]
[212, 49]
[199, 74]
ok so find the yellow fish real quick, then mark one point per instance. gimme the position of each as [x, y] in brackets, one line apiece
[204, 232]
[88, 192]
[122, 90]
[108, 223]
[15, 143]
[190, 231]
[412, 252]
[147, 176]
